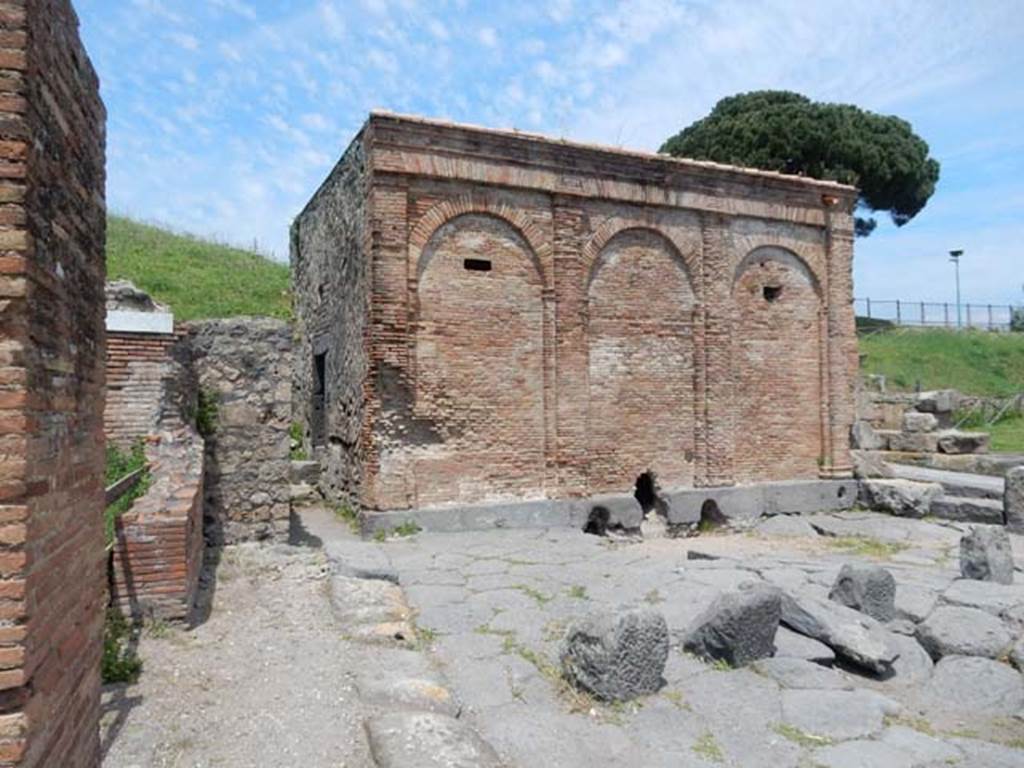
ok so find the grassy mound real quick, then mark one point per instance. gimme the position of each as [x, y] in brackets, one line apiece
[975, 362]
[198, 279]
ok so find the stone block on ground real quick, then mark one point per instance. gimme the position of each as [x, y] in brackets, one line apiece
[427, 740]
[870, 464]
[302, 493]
[955, 441]
[937, 401]
[790, 644]
[868, 589]
[738, 627]
[914, 442]
[863, 437]
[913, 664]
[973, 686]
[985, 555]
[371, 610]
[915, 421]
[904, 498]
[956, 631]
[410, 694]
[852, 635]
[1013, 500]
[360, 560]
[966, 509]
[614, 514]
[617, 655]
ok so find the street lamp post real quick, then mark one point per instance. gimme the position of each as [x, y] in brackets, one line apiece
[954, 256]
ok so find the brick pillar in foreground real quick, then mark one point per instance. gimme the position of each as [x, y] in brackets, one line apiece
[842, 339]
[52, 231]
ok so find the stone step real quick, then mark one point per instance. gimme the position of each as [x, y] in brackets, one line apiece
[304, 471]
[953, 483]
[965, 509]
[302, 492]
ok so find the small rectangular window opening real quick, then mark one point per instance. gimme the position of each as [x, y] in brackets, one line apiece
[772, 292]
[477, 265]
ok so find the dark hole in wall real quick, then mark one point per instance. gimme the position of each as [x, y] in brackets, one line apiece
[711, 516]
[772, 292]
[319, 421]
[646, 492]
[597, 522]
[477, 265]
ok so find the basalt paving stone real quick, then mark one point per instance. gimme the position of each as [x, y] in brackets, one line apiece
[497, 647]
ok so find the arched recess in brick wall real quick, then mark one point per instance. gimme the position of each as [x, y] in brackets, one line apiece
[640, 309]
[479, 364]
[777, 362]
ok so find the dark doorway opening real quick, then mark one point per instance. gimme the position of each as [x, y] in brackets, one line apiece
[319, 422]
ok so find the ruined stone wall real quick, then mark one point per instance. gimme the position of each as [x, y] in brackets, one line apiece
[331, 281]
[52, 232]
[550, 320]
[243, 369]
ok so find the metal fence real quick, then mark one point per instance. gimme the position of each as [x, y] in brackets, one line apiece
[990, 317]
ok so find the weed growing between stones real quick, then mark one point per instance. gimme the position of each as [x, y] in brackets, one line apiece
[577, 592]
[119, 664]
[408, 528]
[539, 597]
[349, 516]
[918, 724]
[206, 412]
[295, 433]
[677, 699]
[653, 597]
[707, 747]
[866, 546]
[804, 739]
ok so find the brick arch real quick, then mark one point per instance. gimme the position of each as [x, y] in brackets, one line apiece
[447, 210]
[640, 311]
[778, 347]
[782, 255]
[610, 229]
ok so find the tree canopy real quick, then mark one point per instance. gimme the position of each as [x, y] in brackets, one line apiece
[784, 131]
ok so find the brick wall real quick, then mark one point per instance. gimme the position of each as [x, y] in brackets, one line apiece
[52, 230]
[551, 320]
[141, 369]
[158, 551]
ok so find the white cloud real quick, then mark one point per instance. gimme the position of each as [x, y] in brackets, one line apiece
[487, 36]
[186, 41]
[230, 52]
[236, 6]
[437, 29]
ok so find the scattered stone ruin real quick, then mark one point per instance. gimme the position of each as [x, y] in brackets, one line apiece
[52, 234]
[494, 325]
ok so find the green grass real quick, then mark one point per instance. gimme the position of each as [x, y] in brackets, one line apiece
[197, 278]
[1007, 433]
[119, 464]
[974, 362]
[119, 664]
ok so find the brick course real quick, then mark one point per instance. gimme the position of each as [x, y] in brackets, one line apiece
[52, 231]
[139, 369]
[508, 317]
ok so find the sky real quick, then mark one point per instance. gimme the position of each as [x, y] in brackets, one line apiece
[225, 115]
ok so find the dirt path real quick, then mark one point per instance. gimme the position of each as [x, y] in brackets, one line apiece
[265, 681]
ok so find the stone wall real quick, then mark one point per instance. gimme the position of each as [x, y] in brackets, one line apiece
[52, 232]
[552, 320]
[243, 370]
[331, 281]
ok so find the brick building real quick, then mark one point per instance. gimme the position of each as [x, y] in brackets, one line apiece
[498, 323]
[52, 234]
